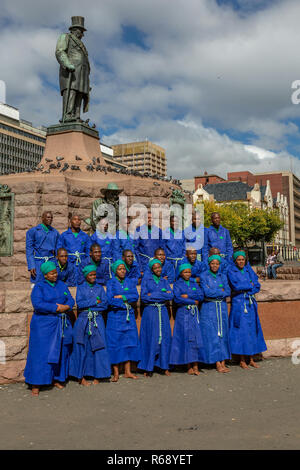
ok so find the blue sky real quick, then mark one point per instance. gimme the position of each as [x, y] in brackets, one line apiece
[202, 78]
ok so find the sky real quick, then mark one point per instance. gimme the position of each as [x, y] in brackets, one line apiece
[208, 80]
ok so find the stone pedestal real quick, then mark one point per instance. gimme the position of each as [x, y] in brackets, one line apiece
[71, 140]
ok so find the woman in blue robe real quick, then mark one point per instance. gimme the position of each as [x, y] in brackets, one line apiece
[90, 356]
[121, 330]
[187, 340]
[245, 332]
[155, 333]
[214, 315]
[50, 340]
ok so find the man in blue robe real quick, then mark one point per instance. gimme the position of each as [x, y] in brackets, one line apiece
[219, 237]
[104, 239]
[148, 238]
[197, 267]
[76, 242]
[195, 234]
[168, 271]
[123, 240]
[102, 266]
[41, 245]
[132, 268]
[174, 242]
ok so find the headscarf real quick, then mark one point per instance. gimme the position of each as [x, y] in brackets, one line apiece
[117, 263]
[184, 266]
[47, 267]
[88, 269]
[239, 253]
[154, 261]
[212, 257]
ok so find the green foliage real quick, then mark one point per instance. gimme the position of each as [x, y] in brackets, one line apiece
[244, 224]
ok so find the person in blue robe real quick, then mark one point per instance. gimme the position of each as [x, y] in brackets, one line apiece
[105, 240]
[90, 357]
[195, 235]
[102, 266]
[245, 332]
[76, 242]
[168, 271]
[123, 240]
[174, 242]
[41, 245]
[121, 330]
[155, 332]
[66, 271]
[197, 266]
[219, 237]
[148, 238]
[224, 265]
[214, 315]
[187, 341]
[50, 340]
[132, 267]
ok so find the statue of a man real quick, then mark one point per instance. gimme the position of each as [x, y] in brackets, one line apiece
[74, 71]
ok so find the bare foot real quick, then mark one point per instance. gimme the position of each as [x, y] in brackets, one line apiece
[96, 382]
[190, 371]
[197, 372]
[147, 374]
[253, 364]
[130, 376]
[168, 373]
[84, 382]
[226, 369]
[243, 365]
[35, 391]
[58, 385]
[219, 367]
[115, 378]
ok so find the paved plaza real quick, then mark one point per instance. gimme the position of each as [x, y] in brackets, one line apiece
[255, 409]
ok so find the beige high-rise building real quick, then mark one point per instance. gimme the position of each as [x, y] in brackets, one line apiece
[144, 157]
[21, 144]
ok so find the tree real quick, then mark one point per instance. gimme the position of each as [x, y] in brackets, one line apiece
[245, 225]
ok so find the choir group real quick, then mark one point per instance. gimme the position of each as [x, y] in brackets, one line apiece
[194, 270]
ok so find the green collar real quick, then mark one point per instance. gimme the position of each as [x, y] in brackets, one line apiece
[121, 281]
[45, 228]
[156, 278]
[187, 282]
[52, 284]
[213, 274]
[91, 285]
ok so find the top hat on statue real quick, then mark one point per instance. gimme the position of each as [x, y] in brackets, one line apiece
[77, 22]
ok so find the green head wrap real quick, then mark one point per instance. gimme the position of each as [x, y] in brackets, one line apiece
[88, 269]
[117, 263]
[47, 267]
[212, 257]
[154, 261]
[184, 266]
[239, 253]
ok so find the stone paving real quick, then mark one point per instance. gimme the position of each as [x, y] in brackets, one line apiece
[253, 409]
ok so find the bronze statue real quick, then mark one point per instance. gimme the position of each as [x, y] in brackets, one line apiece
[74, 71]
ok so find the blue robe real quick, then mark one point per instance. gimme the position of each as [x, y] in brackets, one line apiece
[168, 272]
[196, 237]
[223, 268]
[245, 332]
[218, 239]
[90, 356]
[214, 317]
[155, 333]
[50, 340]
[122, 241]
[133, 272]
[145, 246]
[121, 330]
[187, 339]
[105, 241]
[40, 246]
[174, 246]
[77, 247]
[102, 271]
[197, 268]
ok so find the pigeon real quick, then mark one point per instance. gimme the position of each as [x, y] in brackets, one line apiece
[77, 158]
[87, 121]
[94, 160]
[46, 171]
[98, 160]
[94, 126]
[89, 167]
[75, 167]
[59, 158]
[65, 167]
[48, 160]
[58, 165]
[52, 166]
